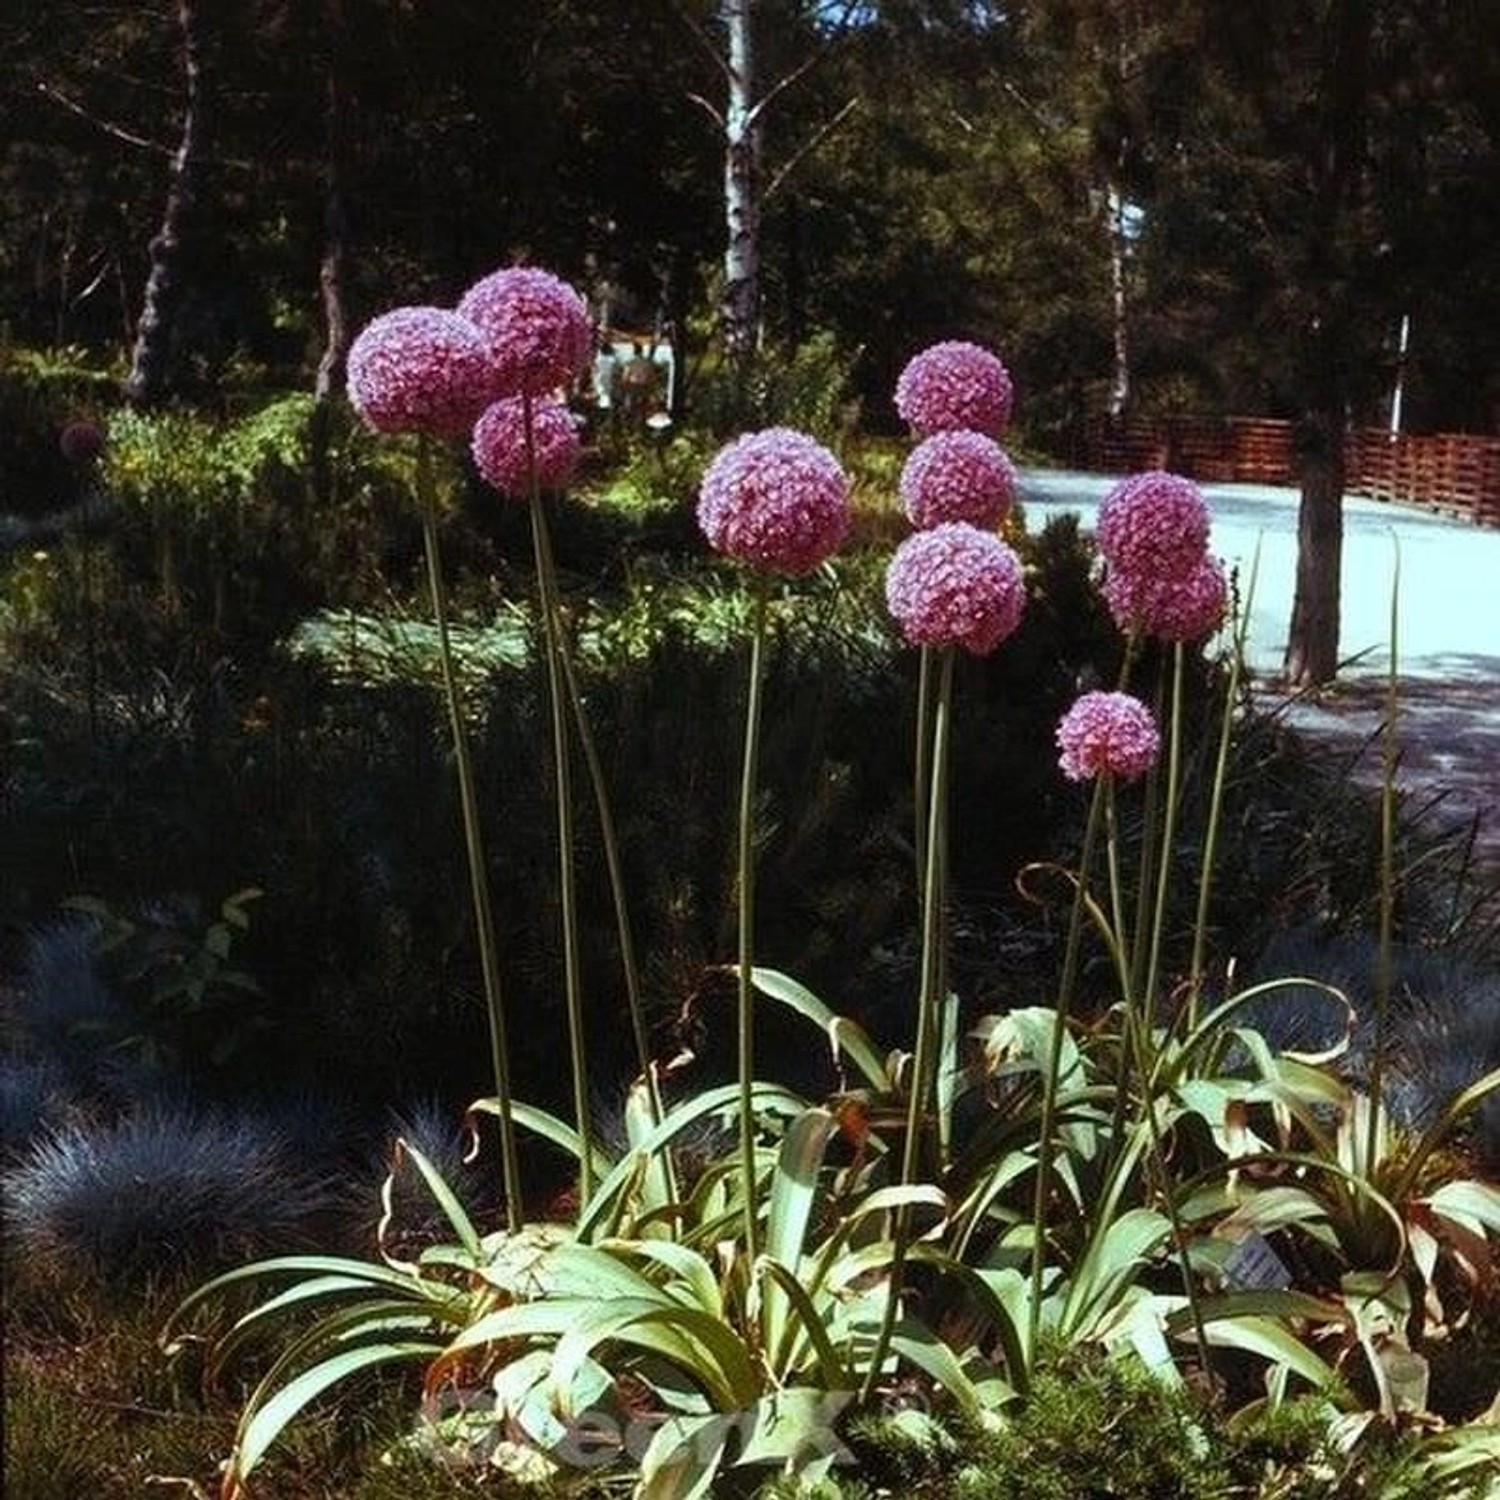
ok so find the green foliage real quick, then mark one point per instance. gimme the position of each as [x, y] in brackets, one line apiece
[806, 386]
[1095, 1427]
[190, 1002]
[41, 391]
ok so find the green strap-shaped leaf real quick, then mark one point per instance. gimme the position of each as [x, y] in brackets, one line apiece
[804, 1321]
[917, 1343]
[1254, 1322]
[262, 1423]
[1109, 1265]
[796, 1429]
[683, 1457]
[794, 1187]
[548, 1126]
[1475, 1205]
[592, 1215]
[704, 1347]
[443, 1196]
[371, 1273]
[847, 1035]
[686, 1268]
[444, 1306]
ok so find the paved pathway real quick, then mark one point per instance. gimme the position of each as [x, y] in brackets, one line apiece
[1448, 635]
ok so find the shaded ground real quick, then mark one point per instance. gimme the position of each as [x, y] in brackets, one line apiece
[1446, 579]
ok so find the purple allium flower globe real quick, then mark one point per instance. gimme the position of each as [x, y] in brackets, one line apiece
[537, 328]
[952, 385]
[1107, 734]
[1154, 524]
[775, 500]
[1169, 609]
[499, 445]
[958, 476]
[82, 441]
[421, 369]
[955, 585]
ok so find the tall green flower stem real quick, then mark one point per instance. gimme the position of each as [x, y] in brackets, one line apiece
[1168, 840]
[479, 887]
[745, 861]
[1216, 802]
[1067, 980]
[921, 1092]
[623, 932]
[554, 648]
[86, 589]
[1138, 1052]
[616, 869]
[921, 1103]
[1390, 755]
[921, 763]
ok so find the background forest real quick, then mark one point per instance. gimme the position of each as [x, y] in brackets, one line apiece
[1158, 205]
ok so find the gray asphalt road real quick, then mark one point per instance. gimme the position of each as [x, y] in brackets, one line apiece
[1446, 578]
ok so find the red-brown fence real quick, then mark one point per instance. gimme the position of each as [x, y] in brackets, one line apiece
[1454, 472]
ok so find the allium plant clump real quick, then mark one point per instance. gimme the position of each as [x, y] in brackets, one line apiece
[1107, 734]
[955, 385]
[422, 369]
[500, 445]
[955, 585]
[775, 500]
[535, 326]
[734, 1306]
[958, 475]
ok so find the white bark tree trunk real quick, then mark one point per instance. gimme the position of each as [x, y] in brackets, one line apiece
[742, 166]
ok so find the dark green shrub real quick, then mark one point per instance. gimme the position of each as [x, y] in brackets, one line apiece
[1098, 1429]
[40, 393]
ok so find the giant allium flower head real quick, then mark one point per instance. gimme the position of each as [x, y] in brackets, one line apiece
[537, 327]
[421, 369]
[954, 384]
[955, 585]
[775, 500]
[958, 476]
[1107, 734]
[499, 445]
[1154, 524]
[1169, 609]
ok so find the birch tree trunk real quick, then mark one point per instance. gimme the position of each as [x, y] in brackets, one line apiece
[151, 360]
[1119, 385]
[741, 306]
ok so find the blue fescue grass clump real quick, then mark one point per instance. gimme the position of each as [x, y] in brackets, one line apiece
[32, 1090]
[438, 1132]
[1443, 1028]
[66, 1013]
[159, 1191]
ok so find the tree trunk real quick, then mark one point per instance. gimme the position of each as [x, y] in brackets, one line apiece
[151, 360]
[335, 214]
[1119, 387]
[1336, 162]
[1312, 652]
[741, 306]
[331, 283]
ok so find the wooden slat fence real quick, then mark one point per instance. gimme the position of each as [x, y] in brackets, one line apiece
[1457, 473]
